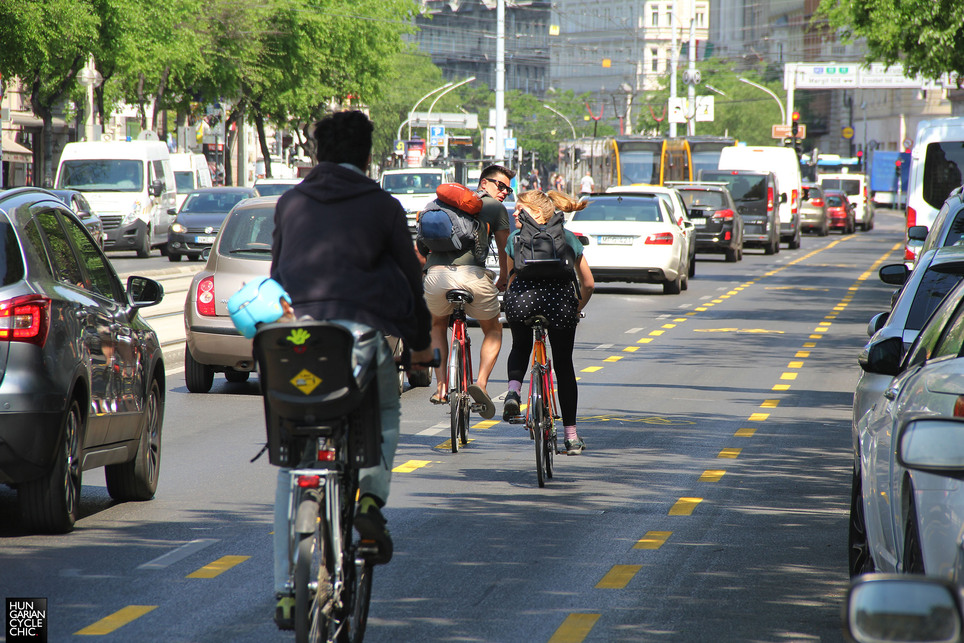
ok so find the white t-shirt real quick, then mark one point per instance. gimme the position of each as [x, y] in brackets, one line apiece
[587, 184]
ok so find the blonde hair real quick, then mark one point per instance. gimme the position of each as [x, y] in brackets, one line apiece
[542, 205]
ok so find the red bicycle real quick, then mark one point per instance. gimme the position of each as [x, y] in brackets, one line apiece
[460, 369]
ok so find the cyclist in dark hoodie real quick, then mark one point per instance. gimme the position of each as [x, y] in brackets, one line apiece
[343, 252]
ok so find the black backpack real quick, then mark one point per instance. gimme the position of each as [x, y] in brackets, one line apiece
[541, 251]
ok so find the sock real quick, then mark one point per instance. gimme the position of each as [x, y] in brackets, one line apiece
[515, 386]
[571, 432]
[368, 499]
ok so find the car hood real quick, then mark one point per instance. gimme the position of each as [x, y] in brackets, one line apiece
[414, 202]
[202, 219]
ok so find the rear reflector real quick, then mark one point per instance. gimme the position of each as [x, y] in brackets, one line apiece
[911, 217]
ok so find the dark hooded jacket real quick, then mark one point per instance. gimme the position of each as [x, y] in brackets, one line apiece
[342, 250]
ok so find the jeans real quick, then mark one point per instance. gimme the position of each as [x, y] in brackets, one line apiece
[375, 480]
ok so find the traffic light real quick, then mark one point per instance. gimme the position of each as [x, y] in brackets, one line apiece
[897, 166]
[860, 159]
[795, 124]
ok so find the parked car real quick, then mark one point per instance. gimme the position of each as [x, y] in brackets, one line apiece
[199, 219]
[840, 211]
[857, 188]
[671, 197]
[81, 372]
[948, 226]
[241, 252]
[634, 238]
[813, 210]
[757, 200]
[719, 227]
[78, 203]
[921, 291]
[274, 187]
[907, 503]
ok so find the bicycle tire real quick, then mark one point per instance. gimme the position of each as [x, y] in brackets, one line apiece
[536, 410]
[455, 392]
[359, 589]
[310, 567]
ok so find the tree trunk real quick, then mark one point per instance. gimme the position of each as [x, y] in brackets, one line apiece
[159, 97]
[265, 153]
[140, 101]
[231, 137]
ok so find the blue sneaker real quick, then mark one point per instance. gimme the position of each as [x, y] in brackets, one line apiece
[575, 447]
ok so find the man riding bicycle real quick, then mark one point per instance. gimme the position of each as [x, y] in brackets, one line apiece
[447, 270]
[343, 252]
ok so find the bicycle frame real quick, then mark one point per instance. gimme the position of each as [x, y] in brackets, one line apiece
[542, 367]
[460, 336]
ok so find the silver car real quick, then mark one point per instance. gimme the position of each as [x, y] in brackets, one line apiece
[907, 502]
[241, 252]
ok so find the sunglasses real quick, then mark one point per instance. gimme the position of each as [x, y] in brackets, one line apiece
[501, 186]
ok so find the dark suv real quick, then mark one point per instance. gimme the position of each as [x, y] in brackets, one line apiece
[719, 226]
[755, 194]
[81, 373]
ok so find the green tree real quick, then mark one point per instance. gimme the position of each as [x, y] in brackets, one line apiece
[45, 44]
[927, 37]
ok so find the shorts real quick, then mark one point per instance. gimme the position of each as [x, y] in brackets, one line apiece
[478, 281]
[555, 299]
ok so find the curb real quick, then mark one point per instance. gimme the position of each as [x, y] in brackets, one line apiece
[163, 272]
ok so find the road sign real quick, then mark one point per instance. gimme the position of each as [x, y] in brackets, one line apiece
[510, 144]
[704, 108]
[461, 121]
[847, 132]
[677, 110]
[784, 131]
[908, 143]
[436, 135]
[400, 147]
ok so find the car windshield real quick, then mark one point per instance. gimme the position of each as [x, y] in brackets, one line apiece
[702, 199]
[639, 166]
[834, 200]
[211, 201]
[273, 189]
[411, 183]
[934, 286]
[102, 175]
[742, 187]
[634, 210]
[184, 181]
[847, 186]
[247, 232]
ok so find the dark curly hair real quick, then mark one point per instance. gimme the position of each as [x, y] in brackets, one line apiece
[344, 137]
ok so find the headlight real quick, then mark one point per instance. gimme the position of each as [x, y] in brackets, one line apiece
[179, 228]
[134, 213]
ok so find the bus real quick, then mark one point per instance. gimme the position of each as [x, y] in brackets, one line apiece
[625, 160]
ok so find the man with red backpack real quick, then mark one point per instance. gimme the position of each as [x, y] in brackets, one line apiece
[466, 270]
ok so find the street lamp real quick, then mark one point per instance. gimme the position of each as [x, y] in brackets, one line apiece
[419, 102]
[572, 148]
[89, 77]
[783, 112]
[428, 118]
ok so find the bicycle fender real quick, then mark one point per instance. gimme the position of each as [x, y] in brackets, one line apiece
[306, 520]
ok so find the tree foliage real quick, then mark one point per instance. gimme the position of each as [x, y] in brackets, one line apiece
[927, 37]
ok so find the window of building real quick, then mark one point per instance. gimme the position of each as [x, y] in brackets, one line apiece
[654, 57]
[654, 20]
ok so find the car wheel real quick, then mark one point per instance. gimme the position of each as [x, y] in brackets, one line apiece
[198, 377]
[772, 247]
[173, 256]
[913, 562]
[137, 479]
[860, 559]
[731, 255]
[794, 243]
[825, 230]
[144, 249]
[684, 283]
[675, 286]
[237, 377]
[51, 504]
[691, 271]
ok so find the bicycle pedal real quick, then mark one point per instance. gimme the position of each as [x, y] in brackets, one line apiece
[516, 419]
[367, 547]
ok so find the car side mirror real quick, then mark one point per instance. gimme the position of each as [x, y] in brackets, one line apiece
[206, 253]
[933, 445]
[894, 274]
[157, 188]
[917, 232]
[172, 212]
[876, 323]
[783, 197]
[143, 292]
[902, 607]
[806, 194]
[882, 357]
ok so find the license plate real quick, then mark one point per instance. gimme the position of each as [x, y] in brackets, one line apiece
[616, 241]
[204, 239]
[698, 220]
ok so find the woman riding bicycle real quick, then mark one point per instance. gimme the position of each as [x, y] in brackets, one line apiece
[554, 298]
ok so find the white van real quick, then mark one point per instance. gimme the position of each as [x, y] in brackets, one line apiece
[856, 187]
[785, 165]
[191, 171]
[936, 166]
[414, 188]
[131, 186]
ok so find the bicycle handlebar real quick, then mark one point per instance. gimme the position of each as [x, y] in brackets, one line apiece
[406, 363]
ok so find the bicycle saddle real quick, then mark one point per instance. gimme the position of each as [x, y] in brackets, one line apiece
[457, 294]
[542, 320]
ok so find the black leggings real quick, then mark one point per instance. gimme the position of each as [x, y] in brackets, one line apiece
[561, 342]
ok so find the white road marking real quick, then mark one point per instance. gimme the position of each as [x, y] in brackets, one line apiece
[178, 554]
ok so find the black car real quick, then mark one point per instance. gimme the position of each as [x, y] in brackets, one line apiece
[81, 373]
[78, 202]
[755, 195]
[199, 219]
[719, 225]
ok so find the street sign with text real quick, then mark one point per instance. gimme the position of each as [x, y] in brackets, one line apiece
[460, 121]
[784, 131]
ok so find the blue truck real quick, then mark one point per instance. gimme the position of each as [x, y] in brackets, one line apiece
[885, 167]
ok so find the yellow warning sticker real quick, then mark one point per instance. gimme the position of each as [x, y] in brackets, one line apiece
[305, 381]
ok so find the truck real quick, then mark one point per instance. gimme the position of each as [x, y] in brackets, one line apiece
[883, 173]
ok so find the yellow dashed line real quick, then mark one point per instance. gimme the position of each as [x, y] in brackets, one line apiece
[591, 369]
[669, 325]
[575, 628]
[809, 345]
[770, 404]
[618, 577]
[795, 365]
[485, 424]
[717, 301]
[780, 387]
[729, 452]
[218, 567]
[821, 329]
[631, 349]
[656, 333]
[712, 475]
[788, 376]
[684, 506]
[653, 540]
[411, 465]
[680, 319]
[613, 358]
[744, 433]
[447, 445]
[701, 308]
[802, 354]
[116, 620]
[645, 340]
[758, 417]
[815, 336]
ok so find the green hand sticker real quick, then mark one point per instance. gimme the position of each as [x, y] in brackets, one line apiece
[299, 336]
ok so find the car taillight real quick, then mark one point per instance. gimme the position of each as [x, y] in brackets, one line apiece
[25, 319]
[793, 201]
[816, 202]
[911, 217]
[205, 297]
[726, 214]
[769, 199]
[660, 239]
[583, 239]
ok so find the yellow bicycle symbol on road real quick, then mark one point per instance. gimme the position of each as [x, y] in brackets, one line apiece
[640, 419]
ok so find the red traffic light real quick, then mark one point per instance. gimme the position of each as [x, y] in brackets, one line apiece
[795, 116]
[897, 162]
[860, 153]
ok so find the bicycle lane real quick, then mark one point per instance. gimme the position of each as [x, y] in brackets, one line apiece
[757, 433]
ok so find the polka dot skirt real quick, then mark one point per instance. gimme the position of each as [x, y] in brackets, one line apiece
[553, 298]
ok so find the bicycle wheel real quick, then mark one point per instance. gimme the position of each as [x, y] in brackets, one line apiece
[549, 442]
[458, 400]
[536, 412]
[358, 594]
[312, 584]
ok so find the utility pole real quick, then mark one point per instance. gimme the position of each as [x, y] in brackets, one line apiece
[500, 81]
[674, 61]
[691, 68]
